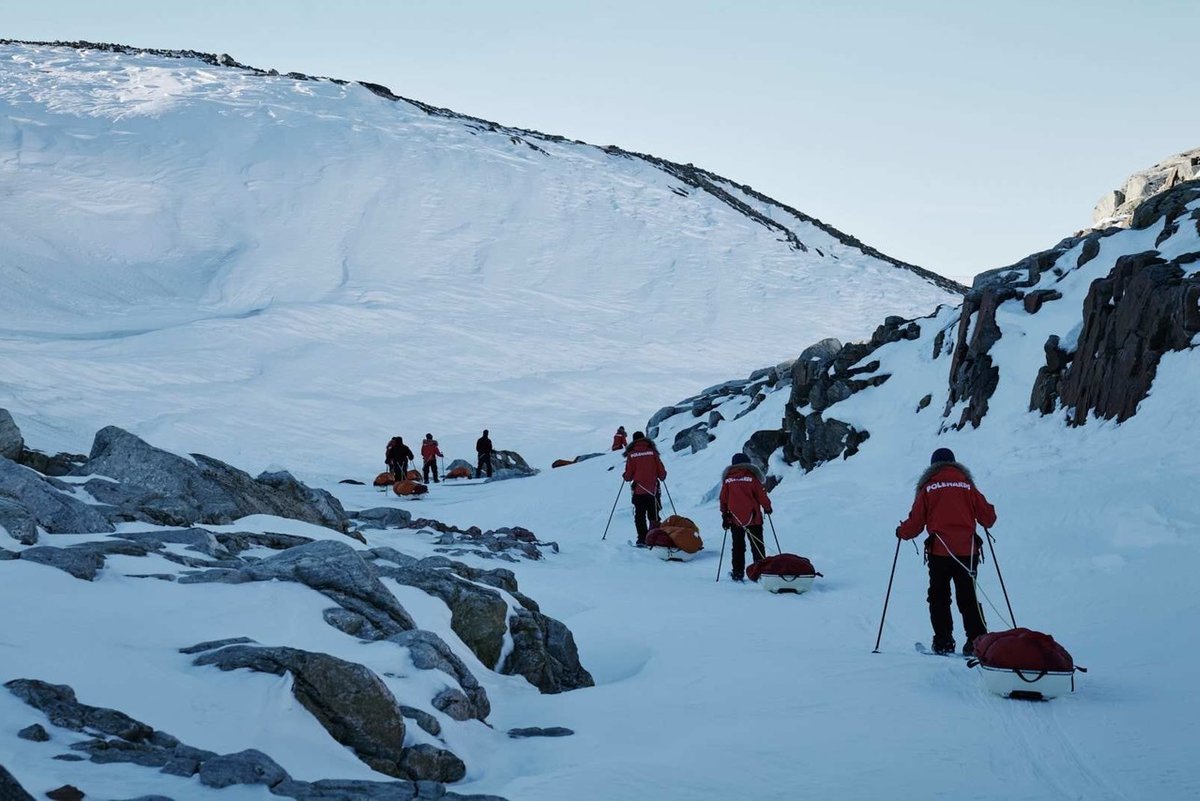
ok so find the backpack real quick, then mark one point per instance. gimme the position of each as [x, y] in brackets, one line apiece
[459, 472]
[784, 564]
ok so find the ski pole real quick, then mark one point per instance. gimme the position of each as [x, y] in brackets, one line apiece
[613, 510]
[721, 558]
[772, 522]
[887, 597]
[1000, 575]
[669, 498]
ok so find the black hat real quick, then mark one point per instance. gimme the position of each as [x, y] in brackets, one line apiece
[429, 436]
[942, 455]
[740, 458]
[485, 432]
[638, 435]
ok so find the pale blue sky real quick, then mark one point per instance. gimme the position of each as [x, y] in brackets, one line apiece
[957, 135]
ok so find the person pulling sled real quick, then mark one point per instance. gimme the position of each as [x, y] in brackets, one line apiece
[743, 502]
[429, 456]
[644, 469]
[948, 505]
[397, 456]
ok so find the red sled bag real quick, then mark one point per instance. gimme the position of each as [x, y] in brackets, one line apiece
[785, 564]
[1022, 649]
[1024, 664]
[658, 538]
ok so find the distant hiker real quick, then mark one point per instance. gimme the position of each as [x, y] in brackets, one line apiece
[619, 439]
[643, 469]
[483, 449]
[949, 506]
[429, 454]
[743, 501]
[397, 456]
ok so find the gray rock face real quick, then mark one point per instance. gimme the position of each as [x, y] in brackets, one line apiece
[349, 701]
[973, 376]
[383, 517]
[10, 788]
[1144, 308]
[58, 702]
[245, 767]
[430, 652]
[51, 507]
[35, 733]
[509, 464]
[332, 568]
[80, 563]
[544, 652]
[694, 438]
[11, 441]
[425, 762]
[171, 490]
[19, 524]
[1119, 206]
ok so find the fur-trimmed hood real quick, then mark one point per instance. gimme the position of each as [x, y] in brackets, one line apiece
[933, 469]
[629, 448]
[745, 466]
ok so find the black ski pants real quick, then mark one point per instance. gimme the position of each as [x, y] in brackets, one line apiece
[399, 469]
[944, 571]
[430, 466]
[738, 554]
[645, 511]
[483, 465]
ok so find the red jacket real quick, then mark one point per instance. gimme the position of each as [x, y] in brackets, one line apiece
[643, 467]
[429, 450]
[743, 495]
[619, 440]
[949, 505]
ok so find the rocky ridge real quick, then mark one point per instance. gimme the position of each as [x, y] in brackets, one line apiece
[136, 501]
[1143, 303]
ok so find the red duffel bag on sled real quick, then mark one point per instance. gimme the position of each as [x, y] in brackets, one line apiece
[785, 572]
[1022, 663]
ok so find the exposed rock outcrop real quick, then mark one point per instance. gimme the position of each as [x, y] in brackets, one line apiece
[49, 502]
[351, 703]
[114, 737]
[163, 488]
[1119, 206]
[11, 441]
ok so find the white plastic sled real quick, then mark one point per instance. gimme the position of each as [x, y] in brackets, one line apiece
[1032, 685]
[673, 554]
[783, 584]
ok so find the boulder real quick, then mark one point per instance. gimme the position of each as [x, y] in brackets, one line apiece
[544, 652]
[35, 733]
[60, 464]
[80, 563]
[538, 731]
[383, 517]
[19, 524]
[509, 464]
[48, 502]
[427, 651]
[10, 788]
[332, 568]
[347, 699]
[59, 704]
[695, 438]
[245, 767]
[11, 441]
[202, 489]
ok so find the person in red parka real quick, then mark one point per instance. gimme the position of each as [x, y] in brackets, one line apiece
[743, 502]
[643, 469]
[429, 454]
[619, 439]
[949, 505]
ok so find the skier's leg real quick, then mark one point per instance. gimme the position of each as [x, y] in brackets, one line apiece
[757, 548]
[939, 602]
[737, 551]
[968, 604]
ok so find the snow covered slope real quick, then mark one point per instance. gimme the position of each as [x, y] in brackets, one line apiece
[189, 250]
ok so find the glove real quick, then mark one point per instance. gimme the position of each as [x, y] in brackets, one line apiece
[726, 520]
[767, 510]
[899, 536]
